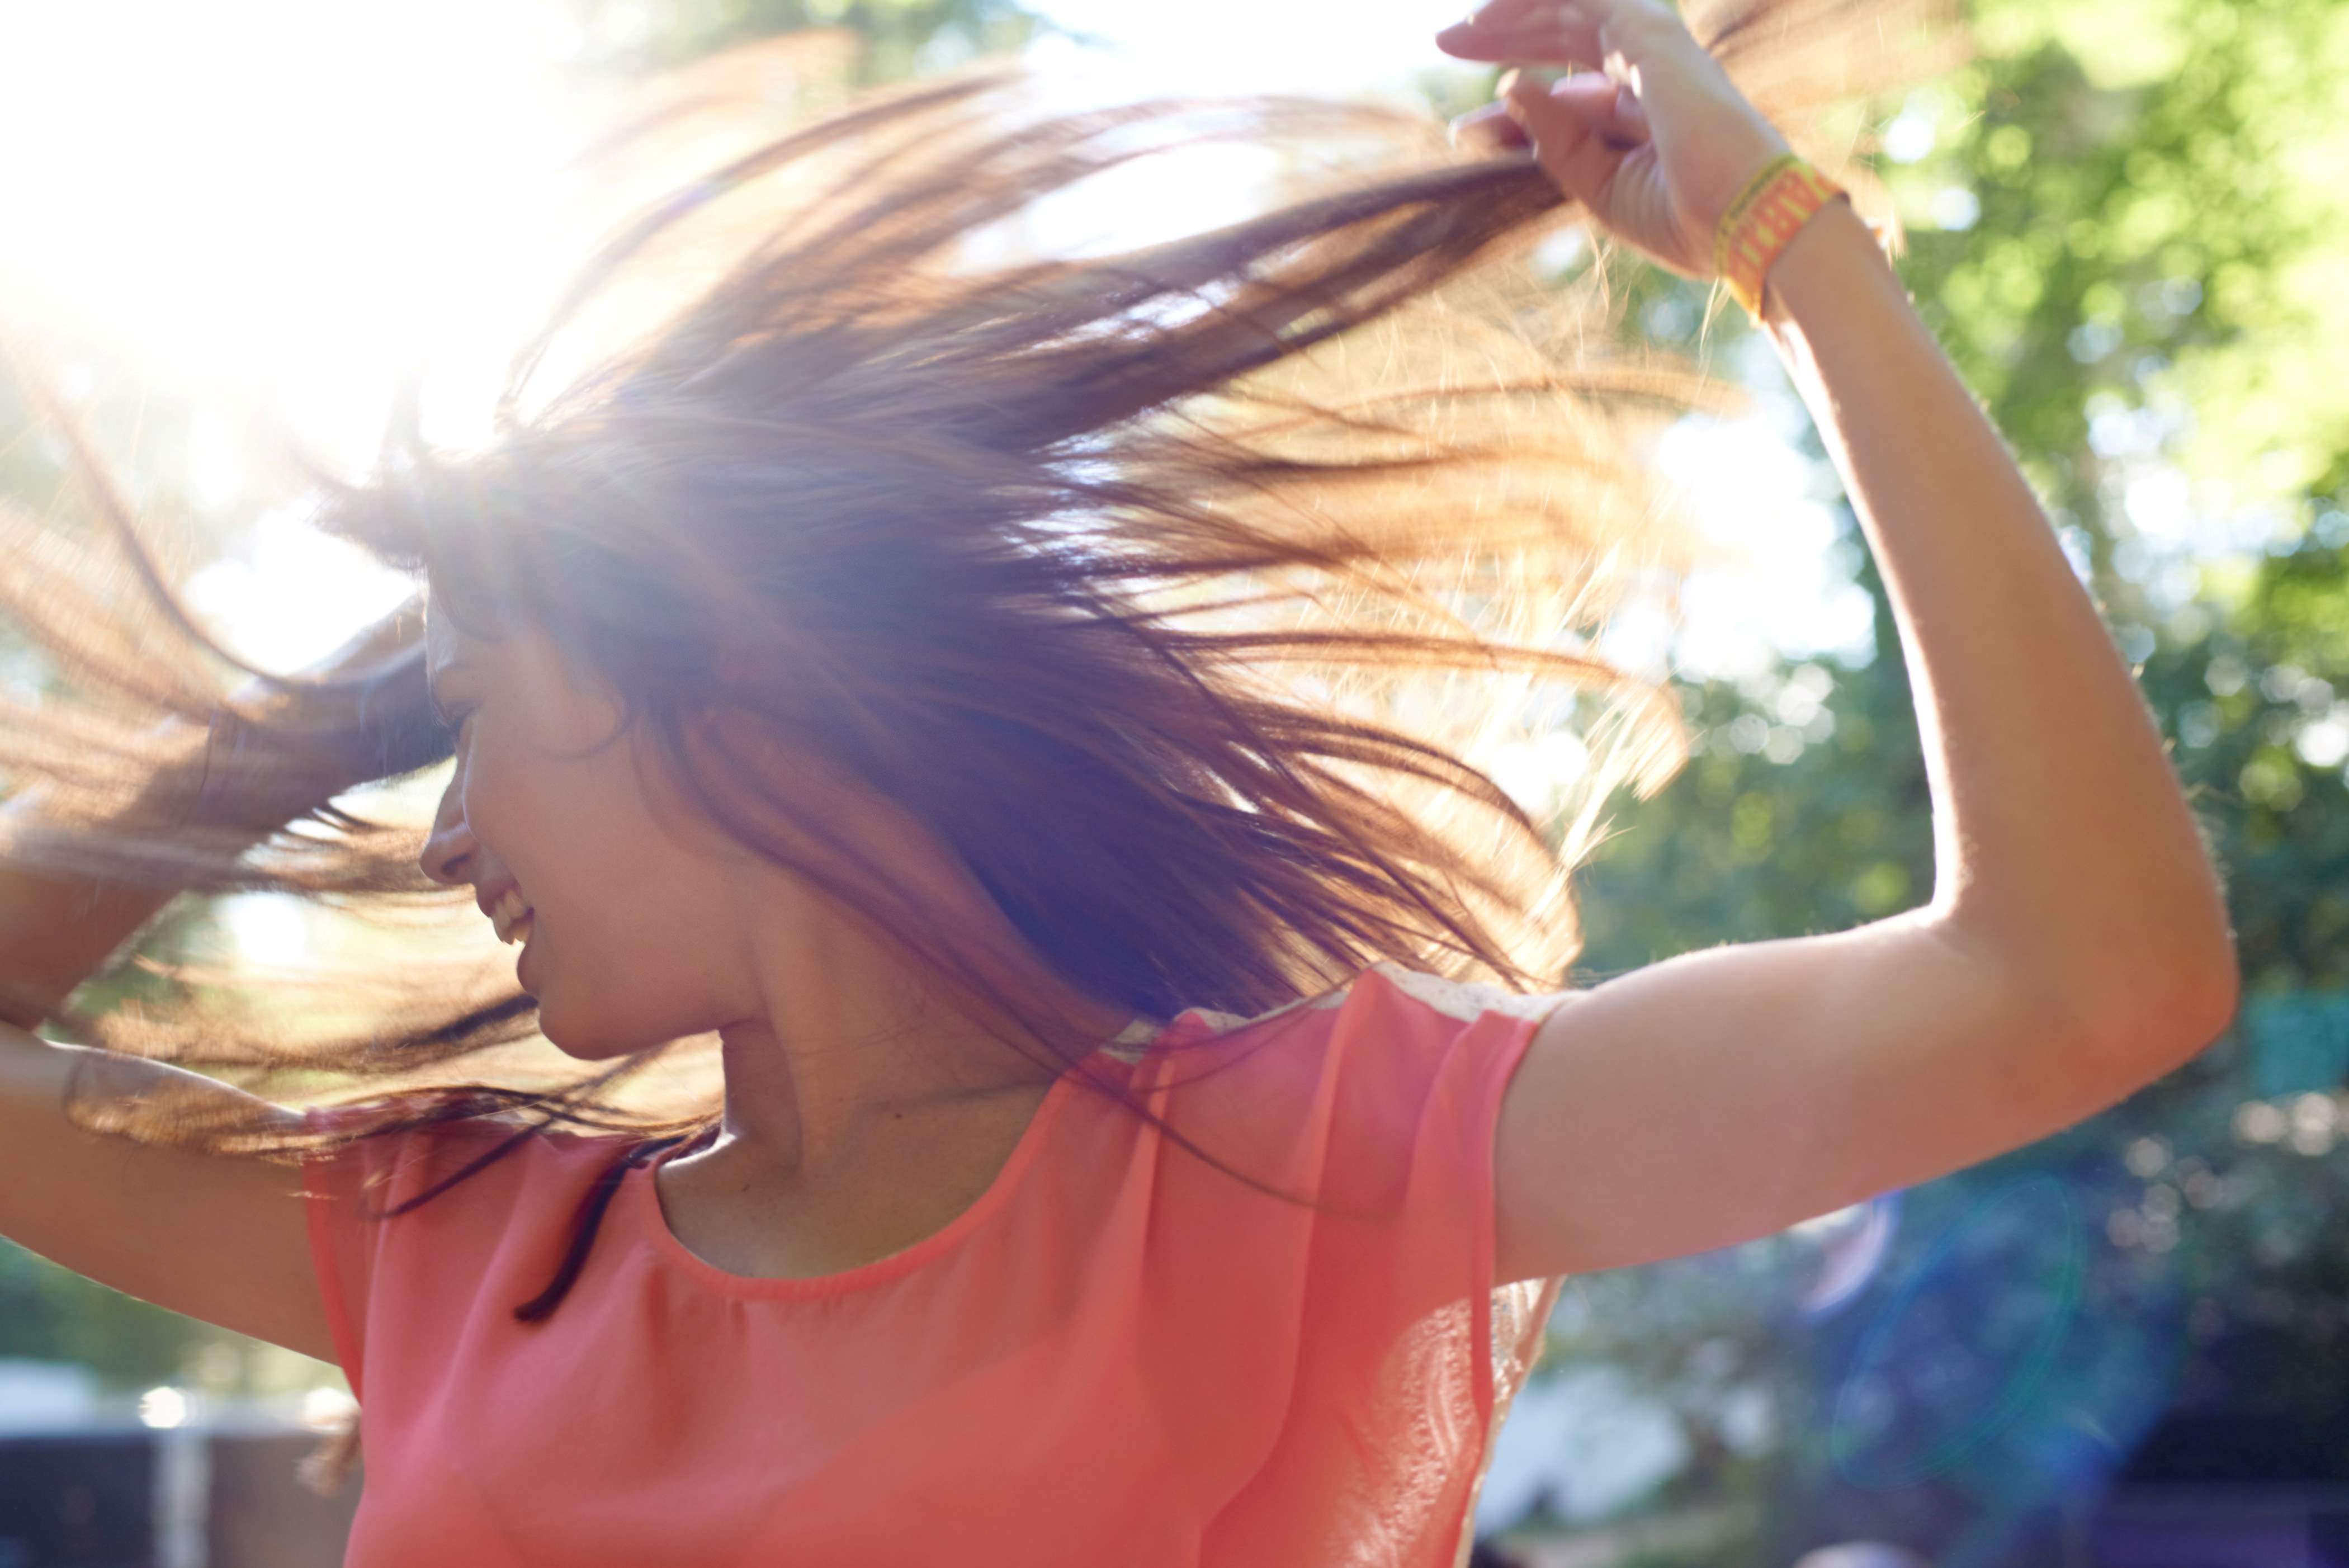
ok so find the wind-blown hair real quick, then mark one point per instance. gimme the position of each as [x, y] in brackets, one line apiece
[1189, 594]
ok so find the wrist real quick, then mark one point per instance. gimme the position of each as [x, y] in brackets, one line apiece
[1816, 263]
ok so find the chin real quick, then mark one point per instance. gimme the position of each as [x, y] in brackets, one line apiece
[595, 1042]
[582, 1043]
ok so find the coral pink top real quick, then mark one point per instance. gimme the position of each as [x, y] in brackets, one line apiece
[1118, 1355]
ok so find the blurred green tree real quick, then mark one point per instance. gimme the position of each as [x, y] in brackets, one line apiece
[2128, 232]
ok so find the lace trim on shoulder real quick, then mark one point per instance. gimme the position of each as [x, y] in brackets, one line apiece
[1129, 1044]
[1465, 1000]
[1455, 998]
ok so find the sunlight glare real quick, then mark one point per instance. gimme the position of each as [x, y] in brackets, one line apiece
[268, 929]
[287, 595]
[292, 201]
[163, 1408]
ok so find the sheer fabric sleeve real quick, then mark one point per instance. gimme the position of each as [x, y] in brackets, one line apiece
[1418, 1068]
[426, 1262]
[343, 1186]
[1382, 1103]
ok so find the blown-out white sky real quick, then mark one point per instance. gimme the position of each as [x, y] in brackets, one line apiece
[275, 204]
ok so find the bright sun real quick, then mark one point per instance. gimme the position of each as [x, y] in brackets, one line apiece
[276, 200]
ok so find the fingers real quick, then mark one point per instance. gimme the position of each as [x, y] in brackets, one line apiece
[1565, 32]
[1608, 109]
[1489, 127]
[1628, 27]
[1563, 121]
[1543, 32]
[1498, 13]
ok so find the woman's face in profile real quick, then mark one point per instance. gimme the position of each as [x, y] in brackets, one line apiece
[623, 914]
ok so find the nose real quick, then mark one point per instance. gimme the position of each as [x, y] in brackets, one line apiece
[451, 851]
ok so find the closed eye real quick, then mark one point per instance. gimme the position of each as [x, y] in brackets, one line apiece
[452, 724]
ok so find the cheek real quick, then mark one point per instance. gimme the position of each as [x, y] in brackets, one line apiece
[494, 794]
[620, 959]
[613, 975]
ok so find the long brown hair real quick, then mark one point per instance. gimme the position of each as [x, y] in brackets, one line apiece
[1177, 591]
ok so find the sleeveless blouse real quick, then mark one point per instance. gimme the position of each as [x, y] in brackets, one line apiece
[1118, 1353]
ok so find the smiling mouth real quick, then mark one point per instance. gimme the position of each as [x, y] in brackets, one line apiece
[510, 917]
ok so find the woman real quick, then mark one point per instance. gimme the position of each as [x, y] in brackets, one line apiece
[854, 672]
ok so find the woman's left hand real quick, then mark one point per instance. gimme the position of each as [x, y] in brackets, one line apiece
[1652, 136]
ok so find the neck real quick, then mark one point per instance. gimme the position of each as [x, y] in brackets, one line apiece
[854, 1030]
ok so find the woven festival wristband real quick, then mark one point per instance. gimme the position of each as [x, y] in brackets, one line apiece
[1764, 220]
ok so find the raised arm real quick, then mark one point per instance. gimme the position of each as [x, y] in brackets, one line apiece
[2076, 943]
[218, 1238]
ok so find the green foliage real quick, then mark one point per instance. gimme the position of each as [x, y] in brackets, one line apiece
[2147, 296]
[2208, 140]
[49, 1314]
[1742, 847]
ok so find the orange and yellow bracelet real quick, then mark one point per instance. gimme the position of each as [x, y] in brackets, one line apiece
[1763, 219]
